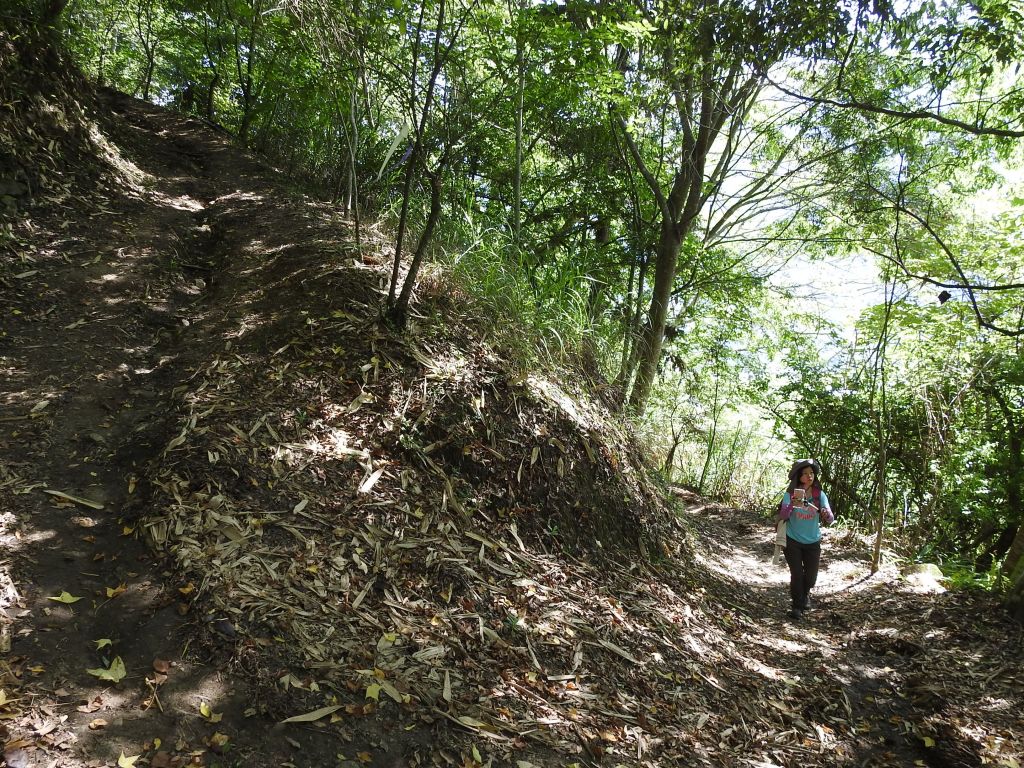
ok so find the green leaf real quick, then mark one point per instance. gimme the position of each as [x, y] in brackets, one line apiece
[115, 673]
[65, 597]
[394, 145]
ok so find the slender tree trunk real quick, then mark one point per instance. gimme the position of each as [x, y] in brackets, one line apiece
[101, 78]
[876, 552]
[353, 155]
[627, 326]
[210, 96]
[654, 334]
[1015, 597]
[517, 177]
[147, 81]
[411, 162]
[712, 438]
[635, 332]
[400, 311]
[397, 309]
[670, 458]
[1013, 571]
[882, 430]
[1013, 565]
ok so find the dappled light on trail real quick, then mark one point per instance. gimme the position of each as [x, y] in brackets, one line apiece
[287, 532]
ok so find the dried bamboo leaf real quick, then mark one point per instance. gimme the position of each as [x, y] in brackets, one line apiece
[313, 716]
[76, 499]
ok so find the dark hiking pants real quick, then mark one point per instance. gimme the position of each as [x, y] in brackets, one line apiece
[803, 562]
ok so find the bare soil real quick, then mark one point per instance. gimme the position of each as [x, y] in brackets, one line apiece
[580, 636]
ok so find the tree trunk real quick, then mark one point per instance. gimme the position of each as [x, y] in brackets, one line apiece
[398, 313]
[517, 178]
[1013, 565]
[1015, 596]
[670, 458]
[712, 439]
[654, 334]
[397, 309]
[882, 427]
[147, 81]
[876, 552]
[210, 95]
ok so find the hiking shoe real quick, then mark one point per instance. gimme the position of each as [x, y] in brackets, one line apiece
[795, 614]
[807, 604]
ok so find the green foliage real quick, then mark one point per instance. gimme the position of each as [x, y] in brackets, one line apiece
[960, 575]
[580, 144]
[541, 316]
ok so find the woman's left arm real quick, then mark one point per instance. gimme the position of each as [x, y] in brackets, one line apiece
[826, 510]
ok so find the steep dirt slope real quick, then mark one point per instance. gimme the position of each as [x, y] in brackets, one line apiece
[96, 302]
[424, 555]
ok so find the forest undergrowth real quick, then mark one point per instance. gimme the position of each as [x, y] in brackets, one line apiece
[244, 523]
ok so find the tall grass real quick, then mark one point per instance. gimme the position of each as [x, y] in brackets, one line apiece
[743, 465]
[541, 317]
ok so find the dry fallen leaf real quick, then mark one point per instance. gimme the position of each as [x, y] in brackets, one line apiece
[91, 706]
[113, 592]
[316, 714]
[127, 762]
[367, 485]
[76, 499]
[218, 742]
[97, 724]
[161, 666]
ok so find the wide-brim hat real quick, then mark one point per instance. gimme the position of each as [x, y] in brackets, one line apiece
[800, 465]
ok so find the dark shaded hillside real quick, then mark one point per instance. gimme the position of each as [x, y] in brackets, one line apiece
[50, 144]
[312, 541]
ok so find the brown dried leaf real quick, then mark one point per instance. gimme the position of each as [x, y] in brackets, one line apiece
[94, 705]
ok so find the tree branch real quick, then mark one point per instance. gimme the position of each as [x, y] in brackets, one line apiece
[913, 114]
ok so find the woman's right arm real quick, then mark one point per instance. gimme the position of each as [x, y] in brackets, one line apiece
[785, 507]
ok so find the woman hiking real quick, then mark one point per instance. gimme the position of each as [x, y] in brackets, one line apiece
[803, 508]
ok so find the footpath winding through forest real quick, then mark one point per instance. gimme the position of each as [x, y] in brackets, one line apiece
[195, 551]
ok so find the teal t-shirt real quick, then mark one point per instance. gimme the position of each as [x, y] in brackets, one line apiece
[803, 523]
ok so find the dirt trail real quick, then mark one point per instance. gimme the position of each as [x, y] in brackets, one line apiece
[122, 303]
[104, 312]
[893, 670]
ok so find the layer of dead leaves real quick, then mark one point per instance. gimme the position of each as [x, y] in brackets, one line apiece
[405, 530]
